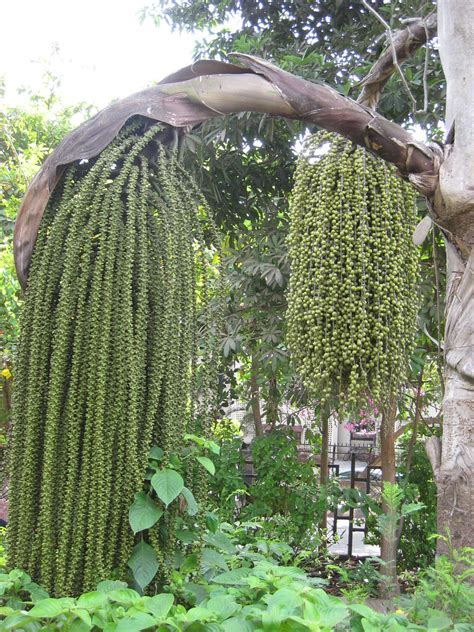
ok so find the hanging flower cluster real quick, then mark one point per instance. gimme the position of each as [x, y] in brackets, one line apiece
[352, 297]
[111, 356]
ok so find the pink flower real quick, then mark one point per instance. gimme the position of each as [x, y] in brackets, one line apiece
[350, 427]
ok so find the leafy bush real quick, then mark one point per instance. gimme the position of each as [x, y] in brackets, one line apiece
[227, 482]
[286, 493]
[446, 587]
[417, 548]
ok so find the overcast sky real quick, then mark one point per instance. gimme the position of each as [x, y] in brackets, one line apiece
[103, 50]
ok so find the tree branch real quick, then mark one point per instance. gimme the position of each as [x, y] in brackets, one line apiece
[208, 89]
[403, 44]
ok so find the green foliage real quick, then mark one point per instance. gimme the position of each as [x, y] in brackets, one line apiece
[227, 483]
[286, 495]
[112, 360]
[417, 547]
[446, 591]
[352, 299]
[242, 589]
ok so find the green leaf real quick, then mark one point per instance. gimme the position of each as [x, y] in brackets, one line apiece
[213, 559]
[168, 484]
[197, 440]
[207, 464]
[37, 593]
[93, 600]
[438, 621]
[144, 512]
[236, 624]
[362, 610]
[78, 625]
[143, 563]
[85, 617]
[160, 605]
[213, 447]
[191, 504]
[16, 622]
[284, 599]
[126, 596]
[136, 622]
[48, 608]
[232, 578]
[223, 606]
[220, 541]
[156, 453]
[110, 584]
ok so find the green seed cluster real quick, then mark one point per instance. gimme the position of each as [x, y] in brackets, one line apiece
[352, 297]
[114, 330]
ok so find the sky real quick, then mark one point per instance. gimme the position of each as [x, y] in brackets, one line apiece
[102, 50]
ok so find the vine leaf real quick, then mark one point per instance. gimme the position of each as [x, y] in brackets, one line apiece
[143, 563]
[207, 464]
[168, 484]
[143, 513]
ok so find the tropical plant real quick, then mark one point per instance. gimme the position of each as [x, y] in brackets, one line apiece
[112, 359]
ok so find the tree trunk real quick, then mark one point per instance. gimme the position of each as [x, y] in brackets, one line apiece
[389, 587]
[324, 469]
[453, 460]
[255, 398]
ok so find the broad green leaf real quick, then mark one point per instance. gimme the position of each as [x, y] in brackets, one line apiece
[236, 624]
[48, 608]
[191, 504]
[37, 593]
[110, 584]
[136, 622]
[144, 512]
[223, 606]
[439, 621]
[93, 600]
[16, 622]
[78, 625]
[220, 541]
[285, 599]
[213, 447]
[160, 605]
[84, 616]
[156, 453]
[232, 578]
[168, 484]
[197, 440]
[190, 564]
[5, 611]
[362, 609]
[213, 559]
[143, 563]
[126, 596]
[207, 464]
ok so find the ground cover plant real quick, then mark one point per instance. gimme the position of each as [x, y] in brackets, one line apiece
[238, 587]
